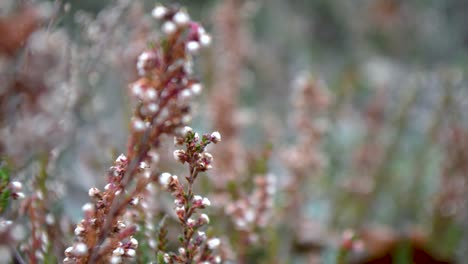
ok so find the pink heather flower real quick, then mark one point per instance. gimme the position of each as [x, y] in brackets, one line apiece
[215, 137]
[159, 11]
[213, 243]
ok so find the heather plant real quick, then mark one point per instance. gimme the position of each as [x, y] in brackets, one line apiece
[163, 93]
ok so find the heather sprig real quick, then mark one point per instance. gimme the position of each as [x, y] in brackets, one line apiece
[195, 244]
[162, 95]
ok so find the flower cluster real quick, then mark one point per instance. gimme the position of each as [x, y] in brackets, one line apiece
[120, 243]
[175, 20]
[253, 212]
[166, 83]
[311, 101]
[162, 93]
[195, 244]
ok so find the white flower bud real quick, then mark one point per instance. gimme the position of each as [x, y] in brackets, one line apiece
[216, 137]
[153, 108]
[185, 95]
[190, 221]
[169, 27]
[93, 191]
[79, 230]
[197, 198]
[205, 219]
[115, 260]
[138, 125]
[118, 251]
[159, 12]
[181, 18]
[121, 158]
[213, 243]
[134, 242]
[135, 201]
[50, 219]
[80, 249]
[151, 94]
[196, 88]
[88, 208]
[16, 186]
[167, 258]
[131, 252]
[165, 179]
[178, 202]
[192, 47]
[206, 202]
[68, 251]
[137, 90]
[205, 40]
[180, 209]
[202, 235]
[182, 251]
[186, 130]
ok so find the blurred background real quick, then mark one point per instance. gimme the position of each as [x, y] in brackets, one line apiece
[357, 109]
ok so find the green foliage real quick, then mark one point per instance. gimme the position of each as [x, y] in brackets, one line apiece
[4, 191]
